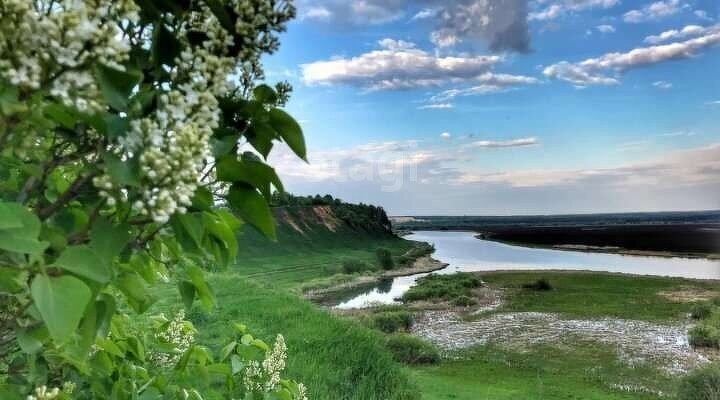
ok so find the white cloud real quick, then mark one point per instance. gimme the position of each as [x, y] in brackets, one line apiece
[680, 167]
[557, 9]
[445, 135]
[485, 84]
[679, 134]
[686, 32]
[425, 14]
[663, 85]
[317, 13]
[713, 103]
[493, 144]
[354, 12]
[653, 11]
[593, 71]
[436, 106]
[399, 65]
[606, 28]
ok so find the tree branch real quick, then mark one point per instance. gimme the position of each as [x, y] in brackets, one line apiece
[66, 197]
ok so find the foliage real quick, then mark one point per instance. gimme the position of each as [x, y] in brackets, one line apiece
[701, 384]
[361, 216]
[464, 301]
[421, 249]
[540, 285]
[410, 349]
[391, 321]
[336, 358]
[704, 335]
[357, 266]
[436, 287]
[122, 145]
[384, 258]
[701, 310]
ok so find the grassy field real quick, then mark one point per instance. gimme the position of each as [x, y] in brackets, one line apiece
[572, 368]
[597, 295]
[584, 372]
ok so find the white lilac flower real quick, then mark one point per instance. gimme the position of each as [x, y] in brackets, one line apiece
[42, 393]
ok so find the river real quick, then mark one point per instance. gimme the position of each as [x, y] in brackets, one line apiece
[464, 253]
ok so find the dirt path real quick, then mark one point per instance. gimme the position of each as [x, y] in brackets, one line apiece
[636, 341]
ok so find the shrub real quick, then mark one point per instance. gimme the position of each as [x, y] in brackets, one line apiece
[412, 350]
[385, 259]
[356, 266]
[392, 321]
[701, 311]
[541, 285]
[701, 384]
[464, 301]
[443, 287]
[704, 335]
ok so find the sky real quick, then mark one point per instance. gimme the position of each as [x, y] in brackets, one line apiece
[505, 107]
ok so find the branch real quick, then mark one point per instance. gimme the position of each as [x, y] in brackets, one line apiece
[66, 197]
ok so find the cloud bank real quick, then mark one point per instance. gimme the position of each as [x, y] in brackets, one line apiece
[594, 71]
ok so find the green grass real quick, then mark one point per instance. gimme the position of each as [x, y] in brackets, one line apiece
[596, 295]
[584, 372]
[436, 287]
[335, 358]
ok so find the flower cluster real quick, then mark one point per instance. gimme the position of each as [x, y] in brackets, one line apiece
[53, 45]
[174, 141]
[42, 393]
[265, 376]
[180, 334]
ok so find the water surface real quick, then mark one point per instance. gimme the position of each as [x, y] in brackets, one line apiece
[463, 252]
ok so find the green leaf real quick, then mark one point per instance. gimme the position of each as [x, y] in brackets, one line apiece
[106, 307]
[289, 130]
[135, 291]
[217, 7]
[9, 217]
[165, 47]
[83, 261]
[115, 125]
[250, 171]
[237, 364]
[61, 302]
[29, 341]
[61, 114]
[124, 173]
[260, 136]
[253, 208]
[265, 94]
[108, 240]
[227, 350]
[224, 145]
[187, 292]
[202, 199]
[203, 290]
[22, 238]
[116, 86]
[12, 280]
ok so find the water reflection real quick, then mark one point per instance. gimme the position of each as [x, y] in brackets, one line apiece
[463, 252]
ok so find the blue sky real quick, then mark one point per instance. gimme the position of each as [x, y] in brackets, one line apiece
[506, 106]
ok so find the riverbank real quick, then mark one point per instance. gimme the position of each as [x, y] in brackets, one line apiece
[601, 249]
[328, 288]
